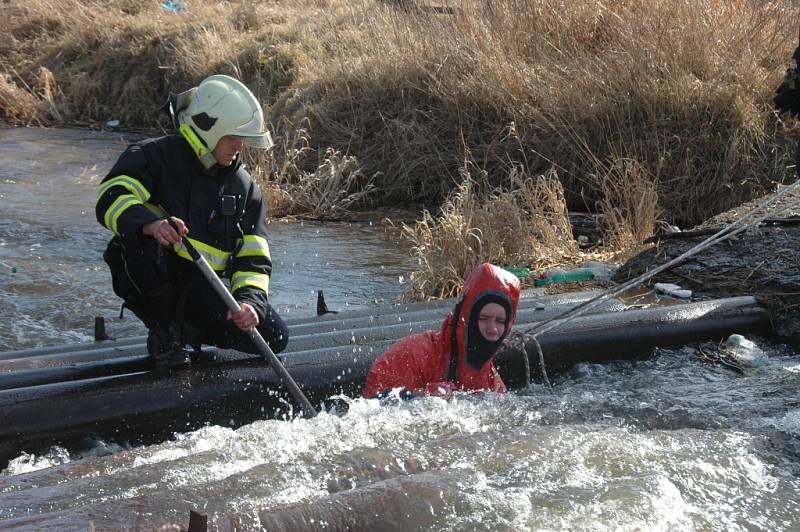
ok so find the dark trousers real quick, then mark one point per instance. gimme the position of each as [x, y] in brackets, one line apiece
[169, 293]
[203, 306]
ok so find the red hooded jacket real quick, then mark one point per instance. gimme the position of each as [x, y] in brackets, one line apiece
[421, 359]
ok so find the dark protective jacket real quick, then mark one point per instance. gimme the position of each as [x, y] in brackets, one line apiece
[222, 207]
[421, 359]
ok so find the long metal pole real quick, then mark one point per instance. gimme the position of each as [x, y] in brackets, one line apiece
[253, 333]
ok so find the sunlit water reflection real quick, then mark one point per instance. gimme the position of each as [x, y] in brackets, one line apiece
[667, 443]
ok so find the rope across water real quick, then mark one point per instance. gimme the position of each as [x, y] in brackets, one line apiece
[745, 221]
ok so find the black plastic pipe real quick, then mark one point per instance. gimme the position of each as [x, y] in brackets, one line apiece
[603, 337]
[147, 407]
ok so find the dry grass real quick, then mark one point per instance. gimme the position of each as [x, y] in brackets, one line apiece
[576, 85]
[16, 103]
[646, 109]
[119, 59]
[335, 187]
[337, 184]
[526, 225]
[629, 205]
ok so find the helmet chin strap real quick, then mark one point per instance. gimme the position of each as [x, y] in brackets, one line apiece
[208, 160]
[199, 148]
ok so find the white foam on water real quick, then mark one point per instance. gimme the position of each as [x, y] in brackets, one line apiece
[26, 462]
[789, 422]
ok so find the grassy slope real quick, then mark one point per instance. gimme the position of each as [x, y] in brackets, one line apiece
[645, 110]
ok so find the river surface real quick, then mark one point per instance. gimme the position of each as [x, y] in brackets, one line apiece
[49, 234]
[666, 443]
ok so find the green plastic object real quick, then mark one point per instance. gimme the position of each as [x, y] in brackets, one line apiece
[564, 277]
[519, 272]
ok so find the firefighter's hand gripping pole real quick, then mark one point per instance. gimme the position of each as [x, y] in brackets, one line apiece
[258, 340]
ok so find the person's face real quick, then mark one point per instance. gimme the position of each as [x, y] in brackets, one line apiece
[227, 149]
[492, 321]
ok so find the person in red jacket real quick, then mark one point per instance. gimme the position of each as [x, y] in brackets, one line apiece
[459, 355]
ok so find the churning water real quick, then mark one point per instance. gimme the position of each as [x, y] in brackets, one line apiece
[666, 443]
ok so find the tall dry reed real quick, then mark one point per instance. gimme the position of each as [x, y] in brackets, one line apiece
[681, 88]
[525, 225]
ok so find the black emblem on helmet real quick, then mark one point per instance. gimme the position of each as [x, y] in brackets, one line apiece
[203, 121]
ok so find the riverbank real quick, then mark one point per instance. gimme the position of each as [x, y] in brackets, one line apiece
[532, 108]
[763, 261]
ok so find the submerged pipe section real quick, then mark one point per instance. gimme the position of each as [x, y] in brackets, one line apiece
[150, 406]
[399, 329]
[530, 296]
[80, 371]
[71, 357]
[602, 337]
[114, 365]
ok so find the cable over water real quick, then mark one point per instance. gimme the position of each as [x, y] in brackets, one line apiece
[741, 223]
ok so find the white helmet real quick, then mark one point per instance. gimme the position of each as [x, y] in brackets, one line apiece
[219, 106]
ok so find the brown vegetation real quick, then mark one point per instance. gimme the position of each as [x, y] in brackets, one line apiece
[527, 224]
[644, 109]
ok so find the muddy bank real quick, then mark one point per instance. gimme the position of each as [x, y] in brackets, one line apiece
[763, 261]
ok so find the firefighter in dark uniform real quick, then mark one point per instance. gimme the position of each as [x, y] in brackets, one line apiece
[192, 185]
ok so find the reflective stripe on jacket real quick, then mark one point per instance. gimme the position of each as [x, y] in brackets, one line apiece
[163, 175]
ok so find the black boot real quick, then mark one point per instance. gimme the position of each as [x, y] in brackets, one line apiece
[165, 351]
[191, 334]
